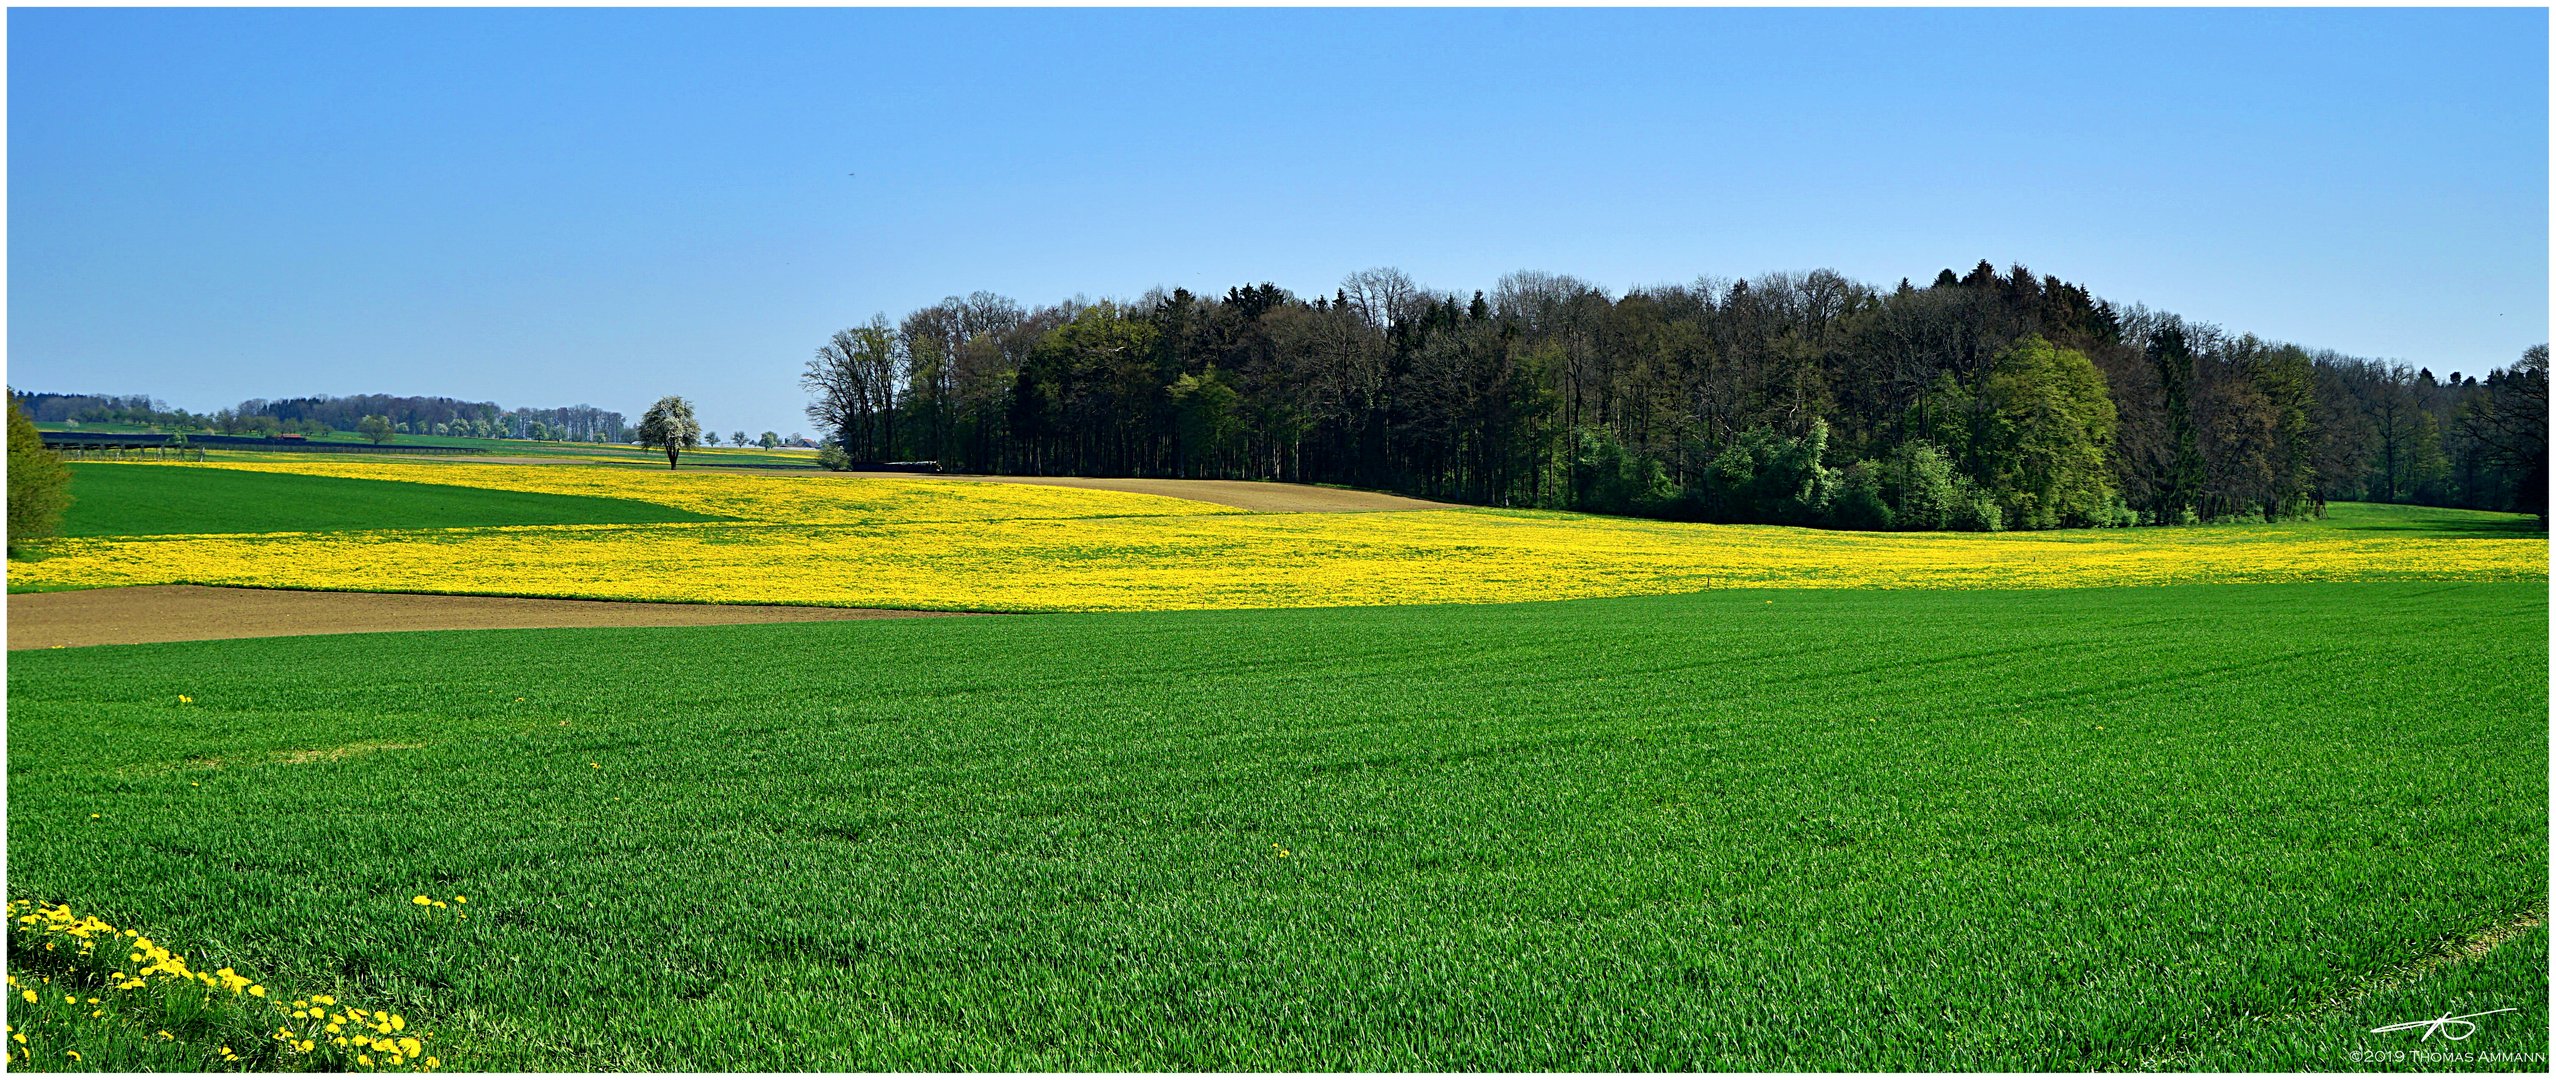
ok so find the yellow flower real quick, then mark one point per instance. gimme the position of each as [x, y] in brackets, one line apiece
[185, 700]
[363, 1059]
[420, 900]
[31, 996]
[75, 1055]
[856, 543]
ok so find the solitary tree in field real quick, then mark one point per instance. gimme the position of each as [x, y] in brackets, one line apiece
[770, 439]
[736, 438]
[376, 428]
[669, 424]
[39, 485]
[710, 438]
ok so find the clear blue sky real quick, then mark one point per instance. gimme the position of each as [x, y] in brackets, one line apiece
[546, 208]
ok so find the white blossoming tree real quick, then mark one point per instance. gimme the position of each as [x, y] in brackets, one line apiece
[669, 424]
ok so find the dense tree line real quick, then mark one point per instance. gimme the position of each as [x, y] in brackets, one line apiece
[91, 408]
[406, 415]
[1979, 401]
[443, 416]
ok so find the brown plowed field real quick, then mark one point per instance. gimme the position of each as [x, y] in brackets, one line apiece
[197, 613]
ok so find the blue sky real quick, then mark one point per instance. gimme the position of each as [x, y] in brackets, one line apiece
[553, 207]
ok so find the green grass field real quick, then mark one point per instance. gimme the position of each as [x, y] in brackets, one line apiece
[2220, 826]
[2397, 519]
[141, 500]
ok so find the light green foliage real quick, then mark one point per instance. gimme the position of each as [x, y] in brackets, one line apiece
[39, 483]
[1738, 830]
[1766, 477]
[2046, 451]
[1929, 494]
[376, 429]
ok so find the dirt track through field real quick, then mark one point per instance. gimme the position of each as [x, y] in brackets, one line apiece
[148, 613]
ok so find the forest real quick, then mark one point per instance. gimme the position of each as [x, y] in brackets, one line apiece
[1980, 401]
[407, 415]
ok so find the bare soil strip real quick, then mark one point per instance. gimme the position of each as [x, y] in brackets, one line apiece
[1264, 496]
[148, 613]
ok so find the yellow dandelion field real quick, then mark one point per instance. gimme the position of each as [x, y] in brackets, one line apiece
[960, 545]
[808, 499]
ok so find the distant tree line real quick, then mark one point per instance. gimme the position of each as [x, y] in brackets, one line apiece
[1980, 401]
[443, 416]
[404, 415]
